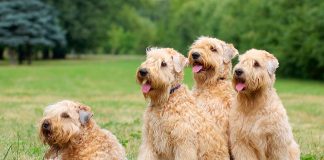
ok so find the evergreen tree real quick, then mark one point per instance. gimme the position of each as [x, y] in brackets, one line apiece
[26, 25]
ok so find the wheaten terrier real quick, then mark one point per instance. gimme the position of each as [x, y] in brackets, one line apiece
[259, 127]
[68, 128]
[210, 59]
[174, 127]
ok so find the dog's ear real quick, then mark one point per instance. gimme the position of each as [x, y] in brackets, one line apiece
[229, 52]
[178, 59]
[85, 114]
[272, 63]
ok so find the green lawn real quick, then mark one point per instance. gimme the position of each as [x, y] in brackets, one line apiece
[108, 86]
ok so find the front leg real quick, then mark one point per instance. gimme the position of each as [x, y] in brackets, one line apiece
[185, 147]
[278, 148]
[185, 151]
[242, 151]
[146, 151]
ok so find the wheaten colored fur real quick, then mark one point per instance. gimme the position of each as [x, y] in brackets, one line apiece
[213, 90]
[174, 127]
[259, 127]
[73, 135]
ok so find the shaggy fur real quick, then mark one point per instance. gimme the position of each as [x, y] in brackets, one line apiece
[259, 127]
[212, 90]
[174, 127]
[71, 133]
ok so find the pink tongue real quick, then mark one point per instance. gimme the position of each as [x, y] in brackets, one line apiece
[146, 88]
[197, 68]
[240, 86]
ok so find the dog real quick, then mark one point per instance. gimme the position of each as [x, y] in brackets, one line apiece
[174, 127]
[259, 127]
[210, 59]
[72, 134]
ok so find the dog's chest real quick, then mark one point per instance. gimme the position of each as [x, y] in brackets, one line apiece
[246, 127]
[162, 140]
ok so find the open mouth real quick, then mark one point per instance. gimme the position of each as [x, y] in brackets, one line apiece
[197, 67]
[240, 85]
[146, 86]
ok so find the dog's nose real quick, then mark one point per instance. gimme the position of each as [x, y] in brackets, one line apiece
[195, 55]
[46, 125]
[238, 72]
[143, 72]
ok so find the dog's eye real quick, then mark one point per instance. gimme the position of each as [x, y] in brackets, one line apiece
[256, 64]
[213, 49]
[163, 64]
[65, 115]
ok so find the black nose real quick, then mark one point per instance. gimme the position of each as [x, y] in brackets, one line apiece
[195, 55]
[238, 72]
[143, 72]
[46, 125]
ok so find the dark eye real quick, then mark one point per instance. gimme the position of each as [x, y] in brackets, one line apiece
[256, 64]
[65, 115]
[213, 49]
[163, 64]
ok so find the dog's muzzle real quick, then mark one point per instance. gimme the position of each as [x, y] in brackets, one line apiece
[238, 72]
[195, 55]
[143, 72]
[46, 127]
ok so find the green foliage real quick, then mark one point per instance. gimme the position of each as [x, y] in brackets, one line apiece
[86, 22]
[292, 30]
[29, 22]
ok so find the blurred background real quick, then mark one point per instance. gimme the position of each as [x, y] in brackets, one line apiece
[51, 29]
[88, 51]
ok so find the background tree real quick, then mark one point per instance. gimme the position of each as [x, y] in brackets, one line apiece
[292, 30]
[26, 25]
[86, 23]
[1, 52]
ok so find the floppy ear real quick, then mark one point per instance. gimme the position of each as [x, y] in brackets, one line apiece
[272, 64]
[178, 59]
[147, 49]
[179, 62]
[229, 52]
[85, 114]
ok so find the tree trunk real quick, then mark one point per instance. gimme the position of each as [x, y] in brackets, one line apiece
[59, 53]
[29, 54]
[21, 55]
[12, 56]
[45, 54]
[1, 53]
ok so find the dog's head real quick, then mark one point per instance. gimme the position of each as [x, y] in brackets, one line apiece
[162, 69]
[255, 71]
[62, 121]
[210, 58]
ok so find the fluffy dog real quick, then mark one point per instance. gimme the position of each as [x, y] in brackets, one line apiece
[68, 128]
[211, 62]
[259, 127]
[174, 127]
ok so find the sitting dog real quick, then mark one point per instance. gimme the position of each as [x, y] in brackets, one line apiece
[174, 127]
[68, 128]
[259, 127]
[210, 59]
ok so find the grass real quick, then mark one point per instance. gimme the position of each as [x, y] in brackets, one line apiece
[108, 86]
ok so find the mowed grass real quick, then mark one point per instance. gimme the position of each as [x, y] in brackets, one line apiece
[107, 84]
